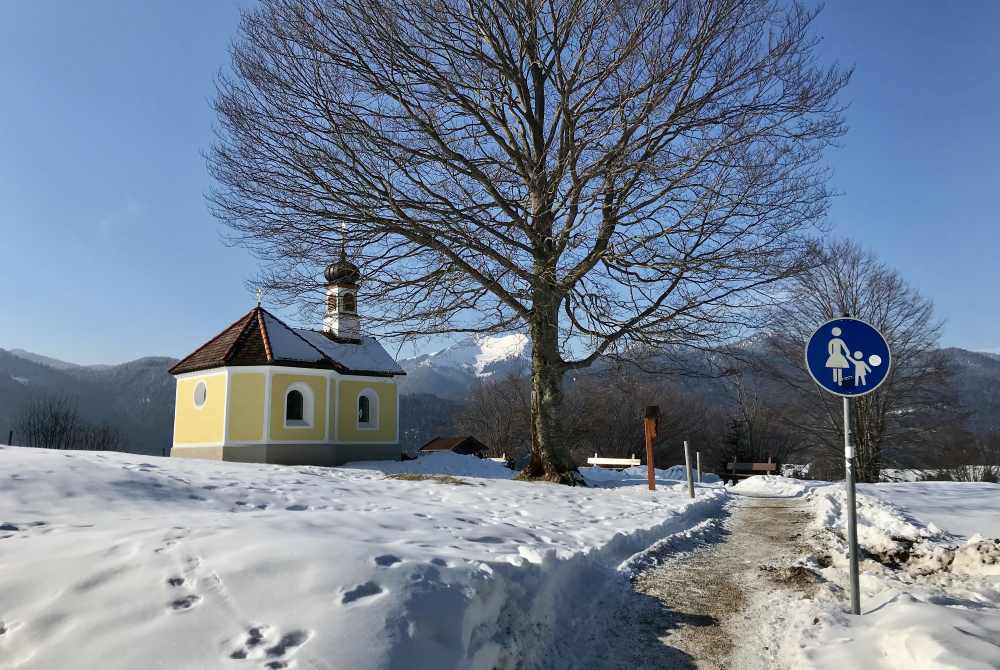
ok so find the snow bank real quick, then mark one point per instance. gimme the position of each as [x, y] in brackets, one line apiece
[637, 475]
[959, 508]
[927, 602]
[774, 485]
[883, 528]
[905, 632]
[123, 561]
[439, 463]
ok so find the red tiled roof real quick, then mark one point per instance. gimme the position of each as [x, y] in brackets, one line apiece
[246, 342]
[217, 351]
[260, 338]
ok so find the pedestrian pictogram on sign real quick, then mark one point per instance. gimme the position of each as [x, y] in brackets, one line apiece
[848, 357]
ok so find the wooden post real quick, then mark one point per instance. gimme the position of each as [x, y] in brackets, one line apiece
[697, 458]
[687, 466]
[650, 424]
[10, 438]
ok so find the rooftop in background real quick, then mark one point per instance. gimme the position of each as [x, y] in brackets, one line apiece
[460, 445]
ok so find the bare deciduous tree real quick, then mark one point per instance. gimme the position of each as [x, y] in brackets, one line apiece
[912, 404]
[600, 173]
[497, 413]
[100, 437]
[607, 408]
[50, 422]
[758, 428]
[54, 422]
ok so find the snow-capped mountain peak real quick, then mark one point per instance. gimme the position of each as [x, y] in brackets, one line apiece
[494, 349]
[478, 353]
[451, 371]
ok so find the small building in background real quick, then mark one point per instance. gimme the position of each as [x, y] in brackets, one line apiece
[264, 392]
[467, 445]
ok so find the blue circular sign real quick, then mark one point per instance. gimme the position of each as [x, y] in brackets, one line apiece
[848, 357]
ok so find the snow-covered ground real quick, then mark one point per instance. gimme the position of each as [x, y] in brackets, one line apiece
[960, 508]
[930, 591]
[638, 476]
[122, 561]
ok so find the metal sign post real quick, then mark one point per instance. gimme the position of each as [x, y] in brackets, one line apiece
[852, 510]
[687, 466]
[850, 358]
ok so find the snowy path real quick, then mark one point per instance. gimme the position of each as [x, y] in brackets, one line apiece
[696, 608]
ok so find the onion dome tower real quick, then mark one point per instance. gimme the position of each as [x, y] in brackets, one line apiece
[342, 280]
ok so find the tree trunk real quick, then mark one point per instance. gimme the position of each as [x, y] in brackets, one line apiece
[549, 456]
[868, 456]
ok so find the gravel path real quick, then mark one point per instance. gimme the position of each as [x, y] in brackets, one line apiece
[694, 607]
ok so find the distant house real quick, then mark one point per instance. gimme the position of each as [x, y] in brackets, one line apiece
[467, 445]
[262, 391]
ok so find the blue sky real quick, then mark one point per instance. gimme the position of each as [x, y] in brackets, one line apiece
[108, 253]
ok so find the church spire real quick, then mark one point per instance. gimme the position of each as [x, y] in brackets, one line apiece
[342, 280]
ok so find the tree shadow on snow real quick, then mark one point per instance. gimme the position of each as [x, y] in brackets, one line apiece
[637, 640]
[655, 613]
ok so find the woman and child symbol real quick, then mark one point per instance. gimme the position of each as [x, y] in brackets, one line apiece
[840, 358]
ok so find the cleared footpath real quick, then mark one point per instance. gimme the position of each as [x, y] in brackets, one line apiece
[693, 600]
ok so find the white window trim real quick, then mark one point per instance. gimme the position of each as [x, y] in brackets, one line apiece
[194, 395]
[308, 406]
[373, 409]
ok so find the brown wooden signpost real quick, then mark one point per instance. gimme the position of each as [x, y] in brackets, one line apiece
[650, 424]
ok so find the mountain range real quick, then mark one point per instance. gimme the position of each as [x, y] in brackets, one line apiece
[138, 396]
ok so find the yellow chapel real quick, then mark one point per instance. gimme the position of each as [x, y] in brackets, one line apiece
[261, 391]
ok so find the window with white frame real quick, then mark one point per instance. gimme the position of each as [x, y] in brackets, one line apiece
[368, 409]
[298, 406]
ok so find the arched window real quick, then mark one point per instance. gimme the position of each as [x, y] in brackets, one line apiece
[294, 406]
[298, 406]
[349, 303]
[368, 409]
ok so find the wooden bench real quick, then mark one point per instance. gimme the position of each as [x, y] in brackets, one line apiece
[617, 463]
[744, 470]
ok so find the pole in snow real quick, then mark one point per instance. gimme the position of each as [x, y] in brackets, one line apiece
[849, 358]
[852, 514]
[687, 466]
[697, 459]
[650, 424]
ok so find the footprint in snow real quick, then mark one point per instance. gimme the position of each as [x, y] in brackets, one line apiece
[386, 560]
[297, 508]
[175, 581]
[261, 642]
[185, 603]
[360, 592]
